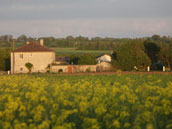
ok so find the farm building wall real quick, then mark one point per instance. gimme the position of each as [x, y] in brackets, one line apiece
[59, 68]
[84, 68]
[73, 68]
[104, 66]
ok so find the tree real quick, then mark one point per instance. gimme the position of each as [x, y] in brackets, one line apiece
[6, 38]
[69, 38]
[22, 38]
[165, 39]
[31, 39]
[87, 59]
[48, 41]
[5, 59]
[73, 59]
[152, 50]
[142, 60]
[2, 61]
[165, 55]
[156, 37]
[29, 66]
[130, 55]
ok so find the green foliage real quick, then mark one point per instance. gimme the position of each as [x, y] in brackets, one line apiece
[82, 43]
[48, 41]
[5, 59]
[22, 38]
[151, 46]
[156, 37]
[96, 43]
[129, 55]
[165, 54]
[29, 66]
[87, 59]
[152, 50]
[73, 59]
[86, 102]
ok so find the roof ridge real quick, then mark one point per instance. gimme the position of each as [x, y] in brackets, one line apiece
[33, 47]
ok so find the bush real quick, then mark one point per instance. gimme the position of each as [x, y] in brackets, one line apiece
[87, 59]
[29, 66]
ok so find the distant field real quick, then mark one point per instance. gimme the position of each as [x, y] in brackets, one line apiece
[10, 44]
[70, 51]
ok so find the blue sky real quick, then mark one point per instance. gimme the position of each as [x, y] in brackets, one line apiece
[104, 18]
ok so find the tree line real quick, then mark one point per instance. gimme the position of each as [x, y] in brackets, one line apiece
[80, 42]
[129, 54]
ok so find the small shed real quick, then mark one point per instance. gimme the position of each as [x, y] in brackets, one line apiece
[104, 66]
[104, 58]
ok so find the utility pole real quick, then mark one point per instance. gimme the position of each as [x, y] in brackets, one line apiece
[13, 57]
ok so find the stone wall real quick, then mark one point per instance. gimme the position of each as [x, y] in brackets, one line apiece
[59, 68]
[84, 68]
[73, 68]
[101, 67]
[104, 66]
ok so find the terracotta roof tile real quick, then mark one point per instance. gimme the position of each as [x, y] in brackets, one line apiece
[33, 47]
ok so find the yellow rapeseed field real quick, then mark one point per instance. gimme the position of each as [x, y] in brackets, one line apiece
[86, 102]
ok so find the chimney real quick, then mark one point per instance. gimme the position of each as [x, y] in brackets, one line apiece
[42, 42]
[27, 42]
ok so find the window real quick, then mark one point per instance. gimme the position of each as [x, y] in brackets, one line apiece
[21, 69]
[42, 68]
[21, 56]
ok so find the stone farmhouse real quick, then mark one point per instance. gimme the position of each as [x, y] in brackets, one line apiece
[37, 54]
[43, 59]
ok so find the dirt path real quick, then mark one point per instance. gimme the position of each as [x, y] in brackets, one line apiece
[114, 73]
[107, 73]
